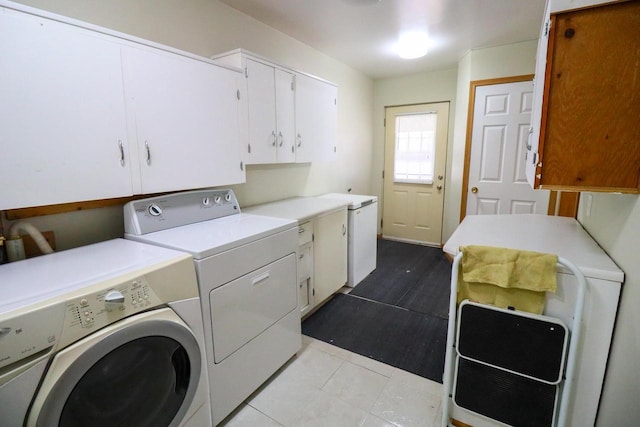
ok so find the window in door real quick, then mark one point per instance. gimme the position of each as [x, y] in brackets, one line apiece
[415, 148]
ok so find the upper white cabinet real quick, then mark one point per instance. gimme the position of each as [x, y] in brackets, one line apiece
[271, 114]
[292, 116]
[186, 120]
[586, 106]
[63, 131]
[88, 113]
[316, 118]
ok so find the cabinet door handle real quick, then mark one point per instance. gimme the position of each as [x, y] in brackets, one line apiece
[299, 140]
[344, 229]
[281, 138]
[146, 146]
[273, 134]
[301, 230]
[301, 256]
[121, 152]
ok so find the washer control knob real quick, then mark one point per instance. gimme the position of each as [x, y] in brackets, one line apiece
[155, 210]
[227, 197]
[217, 200]
[114, 299]
[206, 201]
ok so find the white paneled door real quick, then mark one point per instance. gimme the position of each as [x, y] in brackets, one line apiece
[500, 133]
[414, 176]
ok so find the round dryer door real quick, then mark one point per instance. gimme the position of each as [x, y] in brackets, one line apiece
[141, 371]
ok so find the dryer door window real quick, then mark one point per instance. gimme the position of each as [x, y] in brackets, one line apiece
[142, 372]
[141, 383]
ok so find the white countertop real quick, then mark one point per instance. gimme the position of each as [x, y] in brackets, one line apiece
[356, 201]
[562, 236]
[299, 208]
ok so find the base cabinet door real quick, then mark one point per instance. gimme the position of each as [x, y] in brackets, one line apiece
[330, 254]
[63, 128]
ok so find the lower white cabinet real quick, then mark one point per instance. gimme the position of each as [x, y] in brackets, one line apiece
[305, 267]
[330, 254]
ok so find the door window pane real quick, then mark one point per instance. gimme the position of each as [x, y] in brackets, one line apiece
[415, 148]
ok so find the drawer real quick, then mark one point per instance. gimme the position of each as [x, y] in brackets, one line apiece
[305, 233]
[305, 262]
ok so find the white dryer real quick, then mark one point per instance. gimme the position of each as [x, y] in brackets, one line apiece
[247, 273]
[108, 334]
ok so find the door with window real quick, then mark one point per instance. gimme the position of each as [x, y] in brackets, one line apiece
[414, 175]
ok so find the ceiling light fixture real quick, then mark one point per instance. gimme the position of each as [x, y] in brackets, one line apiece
[413, 45]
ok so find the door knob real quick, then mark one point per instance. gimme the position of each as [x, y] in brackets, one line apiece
[474, 190]
[439, 187]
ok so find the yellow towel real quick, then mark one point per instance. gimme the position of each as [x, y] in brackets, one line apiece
[506, 277]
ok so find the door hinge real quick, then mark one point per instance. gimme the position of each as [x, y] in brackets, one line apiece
[238, 94]
[335, 101]
[547, 27]
[248, 148]
[293, 83]
[382, 174]
[313, 292]
[313, 237]
[381, 221]
[241, 166]
[384, 122]
[246, 72]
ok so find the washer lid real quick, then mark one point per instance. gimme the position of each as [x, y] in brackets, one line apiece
[207, 238]
[357, 201]
[49, 276]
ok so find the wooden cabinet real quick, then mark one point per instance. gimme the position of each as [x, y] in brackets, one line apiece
[271, 114]
[316, 118]
[186, 120]
[587, 100]
[330, 254]
[87, 114]
[63, 129]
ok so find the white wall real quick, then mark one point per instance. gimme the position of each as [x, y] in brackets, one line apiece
[434, 86]
[614, 222]
[208, 27]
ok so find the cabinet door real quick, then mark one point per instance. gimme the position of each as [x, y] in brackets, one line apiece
[307, 122]
[327, 147]
[285, 117]
[590, 126]
[186, 119]
[316, 119]
[330, 254]
[62, 115]
[262, 113]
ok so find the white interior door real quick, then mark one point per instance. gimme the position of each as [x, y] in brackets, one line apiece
[414, 178]
[497, 179]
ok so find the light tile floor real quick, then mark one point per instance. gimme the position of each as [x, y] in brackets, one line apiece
[326, 386]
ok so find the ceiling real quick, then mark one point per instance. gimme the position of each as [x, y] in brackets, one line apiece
[362, 33]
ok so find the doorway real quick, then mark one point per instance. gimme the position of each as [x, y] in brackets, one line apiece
[494, 180]
[414, 172]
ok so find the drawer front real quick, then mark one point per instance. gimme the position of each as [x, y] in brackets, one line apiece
[246, 307]
[305, 262]
[305, 233]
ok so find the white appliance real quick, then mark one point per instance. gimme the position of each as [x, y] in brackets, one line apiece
[103, 335]
[246, 268]
[363, 229]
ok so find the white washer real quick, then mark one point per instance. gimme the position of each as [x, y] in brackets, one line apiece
[246, 268]
[103, 335]
[363, 230]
